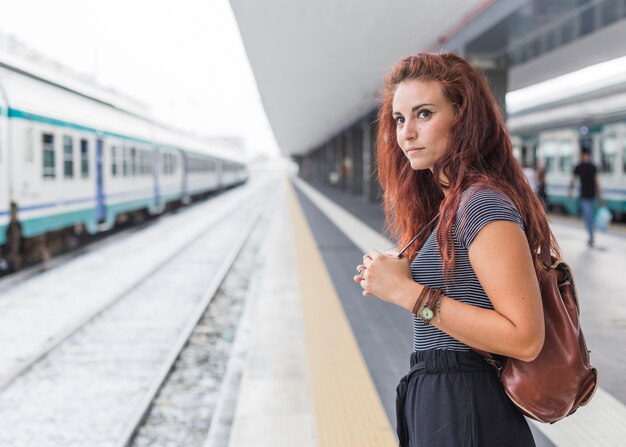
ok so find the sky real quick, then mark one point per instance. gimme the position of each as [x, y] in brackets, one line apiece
[182, 58]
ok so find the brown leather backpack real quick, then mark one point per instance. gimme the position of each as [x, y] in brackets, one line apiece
[561, 378]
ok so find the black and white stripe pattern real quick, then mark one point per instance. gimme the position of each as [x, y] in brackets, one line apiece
[477, 208]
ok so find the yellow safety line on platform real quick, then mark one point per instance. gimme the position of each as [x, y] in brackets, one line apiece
[348, 410]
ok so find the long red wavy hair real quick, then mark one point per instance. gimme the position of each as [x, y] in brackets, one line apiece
[480, 153]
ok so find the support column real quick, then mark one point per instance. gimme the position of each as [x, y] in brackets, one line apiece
[320, 164]
[329, 162]
[348, 158]
[357, 159]
[340, 155]
[371, 187]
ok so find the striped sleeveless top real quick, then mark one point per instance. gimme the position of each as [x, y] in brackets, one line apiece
[478, 207]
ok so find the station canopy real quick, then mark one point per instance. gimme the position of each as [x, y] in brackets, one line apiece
[319, 65]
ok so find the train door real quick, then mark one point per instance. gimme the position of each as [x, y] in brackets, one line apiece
[5, 172]
[156, 166]
[100, 204]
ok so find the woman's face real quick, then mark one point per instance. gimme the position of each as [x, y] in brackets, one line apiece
[423, 117]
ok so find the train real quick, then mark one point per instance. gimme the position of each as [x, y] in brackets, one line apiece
[553, 128]
[77, 159]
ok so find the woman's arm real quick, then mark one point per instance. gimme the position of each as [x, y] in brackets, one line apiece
[501, 259]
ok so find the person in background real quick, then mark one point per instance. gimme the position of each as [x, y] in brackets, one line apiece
[471, 281]
[589, 191]
[541, 185]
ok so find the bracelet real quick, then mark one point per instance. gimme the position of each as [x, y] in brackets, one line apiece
[420, 300]
[438, 309]
[427, 304]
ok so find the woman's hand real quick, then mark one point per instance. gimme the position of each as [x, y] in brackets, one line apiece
[384, 275]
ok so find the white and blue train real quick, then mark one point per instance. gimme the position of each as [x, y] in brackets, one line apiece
[77, 159]
[553, 130]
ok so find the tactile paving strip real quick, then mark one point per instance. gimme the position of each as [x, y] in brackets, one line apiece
[348, 410]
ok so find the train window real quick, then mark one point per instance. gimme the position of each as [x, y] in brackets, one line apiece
[68, 156]
[608, 154]
[49, 162]
[566, 154]
[124, 161]
[133, 161]
[113, 161]
[84, 157]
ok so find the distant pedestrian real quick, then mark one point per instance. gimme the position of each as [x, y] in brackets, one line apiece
[471, 280]
[589, 191]
[541, 185]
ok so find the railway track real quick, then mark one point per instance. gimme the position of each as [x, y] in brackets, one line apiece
[182, 411]
[85, 388]
[31, 323]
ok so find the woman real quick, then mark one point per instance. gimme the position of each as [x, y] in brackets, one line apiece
[472, 278]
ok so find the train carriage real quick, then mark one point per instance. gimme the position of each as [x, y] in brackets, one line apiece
[73, 160]
[554, 132]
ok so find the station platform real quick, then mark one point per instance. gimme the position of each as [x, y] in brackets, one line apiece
[321, 362]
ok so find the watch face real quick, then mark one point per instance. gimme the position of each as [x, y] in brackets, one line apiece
[426, 313]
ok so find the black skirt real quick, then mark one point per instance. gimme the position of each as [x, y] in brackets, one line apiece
[454, 398]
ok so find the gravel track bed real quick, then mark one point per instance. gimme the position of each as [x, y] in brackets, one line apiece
[181, 412]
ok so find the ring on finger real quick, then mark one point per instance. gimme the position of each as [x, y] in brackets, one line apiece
[361, 270]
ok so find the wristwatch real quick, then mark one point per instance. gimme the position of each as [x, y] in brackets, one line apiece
[429, 309]
[426, 314]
